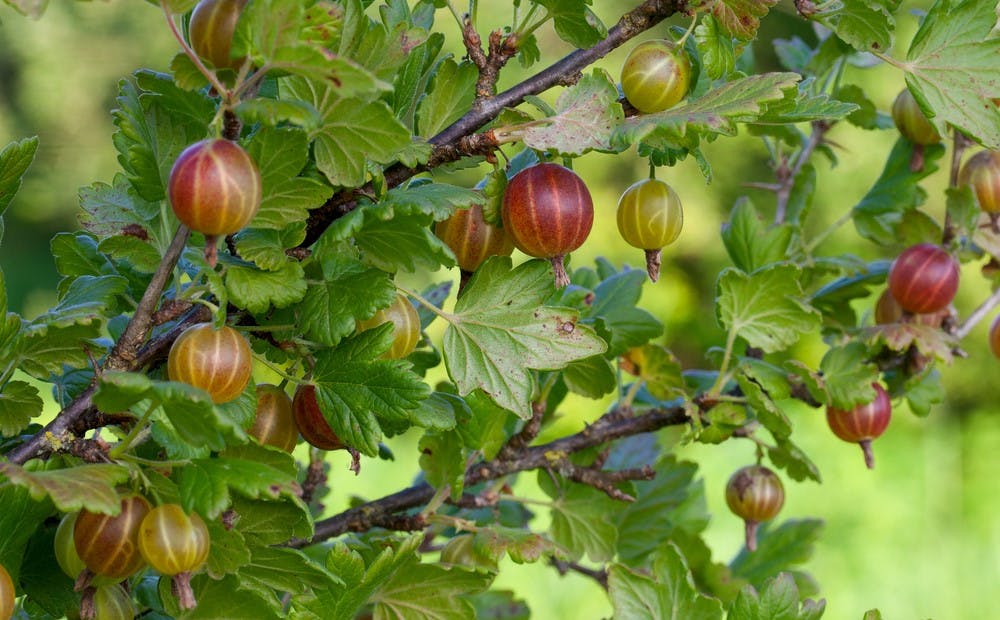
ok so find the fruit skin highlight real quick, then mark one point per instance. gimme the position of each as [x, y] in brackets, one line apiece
[218, 361]
[862, 424]
[650, 216]
[548, 212]
[755, 494]
[656, 76]
[923, 279]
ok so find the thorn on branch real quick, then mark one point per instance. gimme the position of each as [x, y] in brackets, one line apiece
[605, 480]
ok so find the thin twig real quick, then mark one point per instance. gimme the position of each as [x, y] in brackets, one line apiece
[787, 179]
[978, 315]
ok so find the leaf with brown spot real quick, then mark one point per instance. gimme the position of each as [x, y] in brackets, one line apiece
[741, 17]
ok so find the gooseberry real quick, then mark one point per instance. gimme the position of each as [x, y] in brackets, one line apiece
[655, 76]
[406, 326]
[108, 544]
[982, 174]
[175, 544]
[211, 29]
[911, 121]
[755, 494]
[274, 424]
[215, 189]
[923, 278]
[548, 212]
[995, 336]
[218, 361]
[67, 557]
[888, 311]
[471, 239]
[113, 602]
[863, 423]
[310, 421]
[650, 217]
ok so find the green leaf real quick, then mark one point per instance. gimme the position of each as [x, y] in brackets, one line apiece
[574, 22]
[751, 243]
[348, 291]
[19, 519]
[43, 349]
[442, 459]
[500, 605]
[277, 33]
[786, 455]
[849, 375]
[205, 484]
[767, 412]
[924, 391]
[19, 403]
[404, 243]
[266, 247]
[428, 592]
[586, 116]
[281, 154]
[450, 95]
[15, 158]
[284, 570]
[217, 600]
[779, 600]
[804, 104]
[273, 112]
[672, 500]
[257, 290]
[592, 377]
[668, 593]
[134, 251]
[110, 210]
[866, 25]
[716, 112]
[486, 428]
[358, 392]
[86, 301]
[718, 56]
[188, 411]
[765, 308]
[353, 132]
[582, 519]
[741, 18]
[90, 487]
[867, 116]
[149, 136]
[872, 614]
[951, 68]
[659, 369]
[778, 549]
[613, 308]
[879, 215]
[500, 330]
[228, 552]
[523, 546]
[272, 522]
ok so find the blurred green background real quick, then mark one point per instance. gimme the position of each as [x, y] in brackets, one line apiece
[918, 537]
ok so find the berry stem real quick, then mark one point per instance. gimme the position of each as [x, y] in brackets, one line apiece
[978, 315]
[653, 264]
[751, 528]
[559, 269]
[866, 448]
[180, 587]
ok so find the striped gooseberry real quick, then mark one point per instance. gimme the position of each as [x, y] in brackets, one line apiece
[656, 75]
[107, 544]
[548, 212]
[472, 239]
[923, 278]
[215, 189]
[309, 418]
[218, 361]
[863, 423]
[650, 217]
[176, 544]
[982, 174]
[273, 423]
[67, 557]
[406, 326]
[7, 594]
[211, 29]
[911, 121]
[755, 494]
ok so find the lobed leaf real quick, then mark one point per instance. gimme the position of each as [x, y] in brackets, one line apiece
[89, 486]
[668, 592]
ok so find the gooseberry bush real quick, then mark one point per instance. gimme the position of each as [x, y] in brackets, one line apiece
[235, 306]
